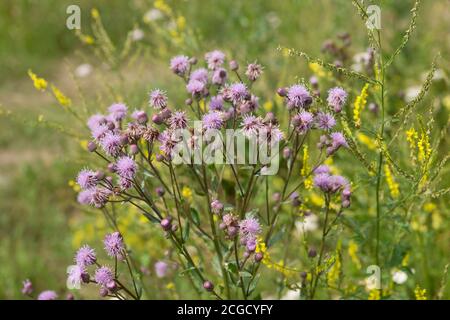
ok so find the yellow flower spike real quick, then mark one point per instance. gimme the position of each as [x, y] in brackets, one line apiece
[318, 70]
[367, 141]
[317, 200]
[202, 105]
[420, 293]
[181, 23]
[359, 104]
[353, 253]
[39, 83]
[424, 148]
[163, 6]
[74, 186]
[393, 186]
[95, 14]
[62, 99]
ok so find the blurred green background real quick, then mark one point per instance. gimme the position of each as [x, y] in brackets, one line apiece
[36, 162]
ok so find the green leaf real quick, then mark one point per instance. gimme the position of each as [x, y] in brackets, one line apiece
[186, 231]
[195, 215]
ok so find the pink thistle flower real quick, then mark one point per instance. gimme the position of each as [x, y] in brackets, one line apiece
[199, 75]
[214, 59]
[126, 167]
[47, 295]
[178, 120]
[179, 65]
[158, 99]
[212, 120]
[298, 97]
[87, 179]
[85, 256]
[118, 111]
[337, 98]
[114, 245]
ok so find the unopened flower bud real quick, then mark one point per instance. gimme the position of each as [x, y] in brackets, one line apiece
[208, 285]
[165, 224]
[160, 191]
[91, 146]
[157, 119]
[312, 253]
[103, 292]
[282, 92]
[234, 65]
[111, 167]
[259, 256]
[134, 149]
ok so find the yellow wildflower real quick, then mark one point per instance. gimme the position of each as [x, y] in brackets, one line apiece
[170, 286]
[40, 118]
[353, 253]
[405, 260]
[366, 140]
[186, 192]
[424, 148]
[268, 105]
[94, 13]
[393, 186]
[62, 99]
[39, 83]
[411, 137]
[374, 295]
[317, 200]
[163, 6]
[334, 274]
[420, 293]
[359, 104]
[318, 70]
[181, 23]
[74, 185]
[446, 102]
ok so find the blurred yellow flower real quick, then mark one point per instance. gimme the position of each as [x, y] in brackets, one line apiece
[62, 99]
[420, 293]
[186, 192]
[39, 83]
[393, 186]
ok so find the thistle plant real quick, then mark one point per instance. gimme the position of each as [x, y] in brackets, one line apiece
[337, 155]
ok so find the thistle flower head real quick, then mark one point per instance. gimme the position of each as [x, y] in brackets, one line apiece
[87, 179]
[237, 92]
[195, 87]
[179, 65]
[219, 76]
[270, 133]
[85, 256]
[325, 121]
[216, 103]
[337, 98]
[85, 197]
[298, 97]
[126, 167]
[178, 120]
[161, 269]
[251, 125]
[75, 275]
[99, 196]
[99, 131]
[158, 99]
[302, 121]
[253, 71]
[47, 295]
[27, 287]
[95, 120]
[118, 111]
[214, 59]
[111, 144]
[322, 169]
[337, 141]
[104, 276]
[199, 75]
[114, 245]
[216, 206]
[249, 228]
[212, 120]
